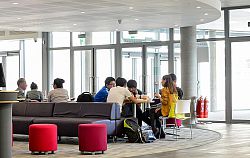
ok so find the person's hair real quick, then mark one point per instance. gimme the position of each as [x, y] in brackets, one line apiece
[173, 77]
[59, 82]
[132, 84]
[33, 85]
[108, 80]
[20, 80]
[169, 84]
[121, 82]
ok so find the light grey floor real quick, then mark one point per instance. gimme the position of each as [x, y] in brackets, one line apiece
[220, 115]
[235, 142]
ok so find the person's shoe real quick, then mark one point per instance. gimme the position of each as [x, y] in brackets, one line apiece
[162, 136]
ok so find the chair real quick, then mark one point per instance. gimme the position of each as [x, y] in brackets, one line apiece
[182, 109]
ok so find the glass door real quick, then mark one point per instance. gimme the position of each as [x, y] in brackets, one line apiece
[105, 66]
[132, 65]
[82, 71]
[157, 66]
[240, 80]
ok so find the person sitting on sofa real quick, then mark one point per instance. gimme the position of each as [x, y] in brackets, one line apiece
[59, 94]
[120, 93]
[102, 95]
[34, 94]
[22, 85]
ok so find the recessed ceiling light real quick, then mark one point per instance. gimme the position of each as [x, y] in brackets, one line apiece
[82, 12]
[20, 29]
[176, 25]
[131, 8]
[201, 20]
[136, 19]
[116, 29]
[74, 24]
[19, 18]
[206, 14]
[198, 7]
[15, 3]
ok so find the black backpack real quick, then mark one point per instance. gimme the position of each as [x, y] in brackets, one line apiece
[133, 131]
[85, 97]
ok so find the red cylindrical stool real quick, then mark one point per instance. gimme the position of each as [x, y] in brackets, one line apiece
[42, 138]
[92, 137]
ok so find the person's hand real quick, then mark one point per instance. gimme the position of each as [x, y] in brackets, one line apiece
[156, 110]
[157, 95]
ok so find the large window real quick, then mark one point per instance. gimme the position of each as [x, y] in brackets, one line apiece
[240, 80]
[104, 66]
[144, 36]
[211, 77]
[239, 22]
[61, 67]
[132, 64]
[33, 62]
[60, 39]
[82, 70]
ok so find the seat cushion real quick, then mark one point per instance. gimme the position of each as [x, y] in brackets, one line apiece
[21, 124]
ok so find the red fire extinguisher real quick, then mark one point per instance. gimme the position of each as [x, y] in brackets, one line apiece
[205, 107]
[200, 108]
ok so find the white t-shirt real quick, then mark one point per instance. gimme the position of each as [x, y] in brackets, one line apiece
[118, 94]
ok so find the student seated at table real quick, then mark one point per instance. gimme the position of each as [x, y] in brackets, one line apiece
[168, 98]
[102, 95]
[34, 94]
[120, 93]
[127, 109]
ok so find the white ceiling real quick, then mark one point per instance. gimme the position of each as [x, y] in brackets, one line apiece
[103, 15]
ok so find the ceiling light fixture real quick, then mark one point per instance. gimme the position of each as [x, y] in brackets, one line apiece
[198, 7]
[19, 18]
[15, 3]
[136, 19]
[82, 12]
[131, 8]
[176, 25]
[74, 24]
[206, 14]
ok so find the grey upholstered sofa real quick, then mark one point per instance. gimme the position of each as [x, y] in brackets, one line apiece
[67, 116]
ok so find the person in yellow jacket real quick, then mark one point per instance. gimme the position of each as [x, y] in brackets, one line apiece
[168, 98]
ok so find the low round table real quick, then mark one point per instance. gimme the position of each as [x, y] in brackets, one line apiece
[6, 100]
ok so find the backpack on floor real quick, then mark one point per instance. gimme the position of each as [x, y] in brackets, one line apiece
[133, 131]
[85, 97]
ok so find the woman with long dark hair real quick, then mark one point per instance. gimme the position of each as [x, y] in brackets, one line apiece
[168, 98]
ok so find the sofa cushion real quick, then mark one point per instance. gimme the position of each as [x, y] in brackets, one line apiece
[67, 110]
[99, 110]
[18, 109]
[21, 124]
[37, 109]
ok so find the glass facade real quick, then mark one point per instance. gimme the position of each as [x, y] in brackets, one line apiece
[98, 54]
